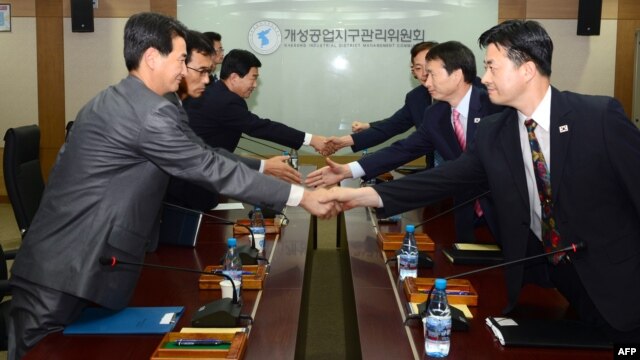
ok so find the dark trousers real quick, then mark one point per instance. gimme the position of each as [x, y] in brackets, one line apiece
[565, 279]
[36, 311]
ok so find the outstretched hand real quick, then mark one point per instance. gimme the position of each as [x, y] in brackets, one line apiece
[328, 175]
[277, 166]
[358, 126]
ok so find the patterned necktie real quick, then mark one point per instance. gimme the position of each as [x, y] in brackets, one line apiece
[459, 131]
[550, 235]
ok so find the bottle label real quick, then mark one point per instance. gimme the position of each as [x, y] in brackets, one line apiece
[438, 328]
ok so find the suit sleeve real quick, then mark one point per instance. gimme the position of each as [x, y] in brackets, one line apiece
[399, 153]
[420, 189]
[167, 146]
[240, 118]
[383, 130]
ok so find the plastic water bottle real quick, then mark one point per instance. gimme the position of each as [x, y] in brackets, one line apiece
[233, 265]
[257, 227]
[408, 257]
[293, 160]
[437, 323]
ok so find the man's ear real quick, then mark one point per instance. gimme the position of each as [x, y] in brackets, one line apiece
[150, 58]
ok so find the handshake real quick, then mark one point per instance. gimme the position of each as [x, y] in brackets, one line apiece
[327, 203]
[327, 146]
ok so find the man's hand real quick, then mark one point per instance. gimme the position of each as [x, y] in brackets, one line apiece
[358, 126]
[319, 143]
[339, 142]
[277, 166]
[317, 202]
[329, 175]
[349, 198]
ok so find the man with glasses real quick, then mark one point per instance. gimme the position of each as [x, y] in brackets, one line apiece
[366, 135]
[199, 63]
[218, 52]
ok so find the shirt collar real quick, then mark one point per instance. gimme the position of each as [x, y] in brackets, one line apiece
[542, 114]
[463, 106]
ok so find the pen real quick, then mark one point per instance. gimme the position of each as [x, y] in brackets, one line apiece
[195, 342]
[248, 273]
[452, 292]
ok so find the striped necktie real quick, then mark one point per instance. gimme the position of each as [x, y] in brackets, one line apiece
[550, 235]
[459, 131]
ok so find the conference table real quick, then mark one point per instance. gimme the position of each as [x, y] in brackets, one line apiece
[381, 304]
[275, 309]
[379, 300]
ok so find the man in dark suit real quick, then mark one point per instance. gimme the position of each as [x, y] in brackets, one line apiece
[451, 69]
[366, 135]
[105, 191]
[199, 63]
[586, 152]
[221, 115]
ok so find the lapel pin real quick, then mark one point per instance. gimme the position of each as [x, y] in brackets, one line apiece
[564, 128]
[476, 120]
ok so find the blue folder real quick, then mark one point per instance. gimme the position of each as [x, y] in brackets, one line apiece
[131, 320]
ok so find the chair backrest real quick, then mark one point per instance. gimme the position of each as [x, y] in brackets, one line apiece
[22, 173]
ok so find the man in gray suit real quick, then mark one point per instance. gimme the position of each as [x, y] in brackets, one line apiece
[105, 190]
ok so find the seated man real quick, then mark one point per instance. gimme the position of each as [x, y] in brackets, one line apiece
[448, 126]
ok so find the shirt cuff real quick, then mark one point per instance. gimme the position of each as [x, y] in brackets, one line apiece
[380, 203]
[295, 195]
[261, 169]
[356, 169]
[307, 139]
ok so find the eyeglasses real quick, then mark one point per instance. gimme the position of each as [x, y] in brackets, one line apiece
[203, 72]
[219, 50]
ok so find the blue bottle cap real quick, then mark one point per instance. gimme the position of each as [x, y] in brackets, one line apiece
[231, 242]
[285, 153]
[441, 284]
[410, 228]
[256, 208]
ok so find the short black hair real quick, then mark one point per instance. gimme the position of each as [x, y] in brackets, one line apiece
[455, 56]
[196, 42]
[523, 41]
[423, 45]
[149, 30]
[238, 61]
[212, 36]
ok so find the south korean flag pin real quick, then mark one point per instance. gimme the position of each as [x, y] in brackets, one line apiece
[563, 128]
[476, 120]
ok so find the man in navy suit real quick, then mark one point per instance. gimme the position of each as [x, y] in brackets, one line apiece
[590, 150]
[451, 69]
[221, 115]
[416, 101]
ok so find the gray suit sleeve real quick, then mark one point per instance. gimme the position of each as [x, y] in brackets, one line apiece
[177, 153]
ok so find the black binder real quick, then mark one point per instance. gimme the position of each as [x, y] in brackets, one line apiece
[179, 226]
[473, 257]
[547, 333]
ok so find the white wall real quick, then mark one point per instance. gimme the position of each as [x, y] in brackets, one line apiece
[18, 75]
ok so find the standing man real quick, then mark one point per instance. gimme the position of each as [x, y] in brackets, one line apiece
[221, 115]
[558, 166]
[105, 191]
[410, 115]
[448, 127]
[218, 52]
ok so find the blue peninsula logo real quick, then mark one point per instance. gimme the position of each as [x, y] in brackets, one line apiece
[265, 37]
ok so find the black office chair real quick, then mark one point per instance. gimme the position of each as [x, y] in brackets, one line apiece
[4, 305]
[22, 173]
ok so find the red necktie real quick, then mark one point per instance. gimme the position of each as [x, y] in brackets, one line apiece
[459, 131]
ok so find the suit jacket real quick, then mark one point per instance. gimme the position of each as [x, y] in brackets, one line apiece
[411, 114]
[595, 150]
[185, 194]
[105, 191]
[436, 133]
[220, 117]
